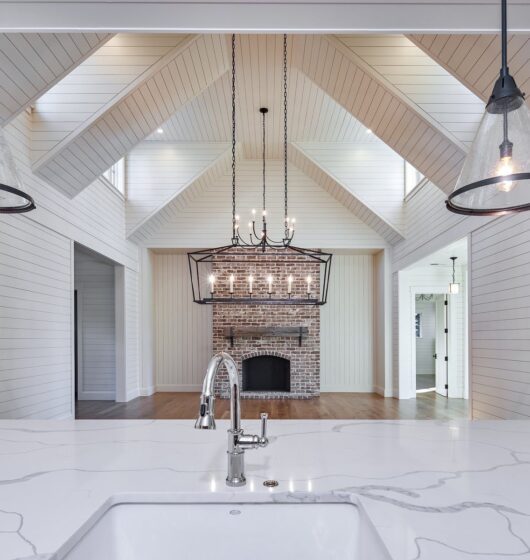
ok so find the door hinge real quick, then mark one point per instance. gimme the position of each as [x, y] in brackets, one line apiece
[447, 358]
[445, 302]
[447, 386]
[435, 356]
[446, 331]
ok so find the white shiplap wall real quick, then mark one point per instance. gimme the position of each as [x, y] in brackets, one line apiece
[346, 326]
[183, 329]
[156, 172]
[500, 318]
[94, 282]
[95, 219]
[35, 321]
[202, 216]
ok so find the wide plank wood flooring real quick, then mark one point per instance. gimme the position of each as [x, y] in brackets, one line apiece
[342, 406]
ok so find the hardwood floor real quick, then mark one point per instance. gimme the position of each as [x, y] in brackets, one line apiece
[427, 406]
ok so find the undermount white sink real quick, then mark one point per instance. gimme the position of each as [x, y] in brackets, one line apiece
[227, 531]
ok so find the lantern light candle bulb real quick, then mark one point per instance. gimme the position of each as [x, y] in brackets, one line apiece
[289, 284]
[231, 283]
[211, 279]
[309, 280]
[269, 281]
[250, 282]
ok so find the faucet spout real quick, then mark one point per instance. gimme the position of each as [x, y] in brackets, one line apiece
[206, 418]
[238, 441]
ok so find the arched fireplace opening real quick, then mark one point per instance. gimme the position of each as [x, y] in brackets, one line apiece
[266, 373]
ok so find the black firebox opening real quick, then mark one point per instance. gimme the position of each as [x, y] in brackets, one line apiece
[266, 373]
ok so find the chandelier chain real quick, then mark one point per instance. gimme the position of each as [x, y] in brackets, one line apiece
[286, 210]
[233, 135]
[263, 154]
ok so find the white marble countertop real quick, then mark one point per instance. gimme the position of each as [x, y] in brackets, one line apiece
[434, 490]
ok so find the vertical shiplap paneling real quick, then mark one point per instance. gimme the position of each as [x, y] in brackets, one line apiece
[500, 319]
[347, 322]
[35, 321]
[94, 281]
[183, 329]
[132, 343]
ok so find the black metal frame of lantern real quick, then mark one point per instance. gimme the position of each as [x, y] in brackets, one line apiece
[200, 263]
[255, 250]
[27, 207]
[490, 182]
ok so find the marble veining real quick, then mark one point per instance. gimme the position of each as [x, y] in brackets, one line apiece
[433, 490]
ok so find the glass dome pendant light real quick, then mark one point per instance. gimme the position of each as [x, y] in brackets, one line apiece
[12, 199]
[495, 178]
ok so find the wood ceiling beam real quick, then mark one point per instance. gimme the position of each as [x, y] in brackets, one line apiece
[475, 60]
[128, 118]
[378, 105]
[31, 64]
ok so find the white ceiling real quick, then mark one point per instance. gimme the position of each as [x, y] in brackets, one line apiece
[443, 256]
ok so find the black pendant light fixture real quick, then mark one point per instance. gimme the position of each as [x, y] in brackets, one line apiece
[12, 199]
[454, 286]
[241, 272]
[495, 179]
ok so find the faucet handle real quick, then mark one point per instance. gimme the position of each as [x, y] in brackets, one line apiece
[264, 417]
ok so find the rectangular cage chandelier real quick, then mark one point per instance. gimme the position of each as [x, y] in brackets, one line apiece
[244, 275]
[256, 268]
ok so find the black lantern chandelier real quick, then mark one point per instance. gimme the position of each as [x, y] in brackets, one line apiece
[495, 179]
[256, 269]
[12, 199]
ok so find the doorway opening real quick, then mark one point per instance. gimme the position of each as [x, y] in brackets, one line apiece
[431, 332]
[95, 331]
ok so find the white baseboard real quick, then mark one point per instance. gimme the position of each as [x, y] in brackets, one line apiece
[179, 388]
[132, 394]
[147, 391]
[343, 389]
[96, 396]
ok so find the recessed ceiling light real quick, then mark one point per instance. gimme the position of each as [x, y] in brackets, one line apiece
[368, 131]
[160, 130]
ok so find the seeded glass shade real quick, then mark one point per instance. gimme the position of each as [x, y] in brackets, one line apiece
[488, 183]
[12, 199]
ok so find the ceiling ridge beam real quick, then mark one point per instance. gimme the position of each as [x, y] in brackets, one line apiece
[370, 217]
[137, 82]
[392, 89]
[133, 235]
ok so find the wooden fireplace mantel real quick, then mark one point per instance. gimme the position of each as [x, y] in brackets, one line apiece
[247, 332]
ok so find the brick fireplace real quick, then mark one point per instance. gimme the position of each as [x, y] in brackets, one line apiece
[290, 333]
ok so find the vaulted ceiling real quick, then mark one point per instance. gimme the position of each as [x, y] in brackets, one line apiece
[358, 106]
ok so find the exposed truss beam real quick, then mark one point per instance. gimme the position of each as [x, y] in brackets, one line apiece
[32, 63]
[129, 118]
[475, 59]
[377, 104]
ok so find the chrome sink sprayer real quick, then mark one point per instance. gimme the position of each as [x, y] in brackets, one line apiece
[238, 441]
